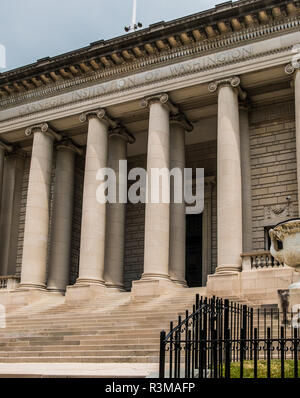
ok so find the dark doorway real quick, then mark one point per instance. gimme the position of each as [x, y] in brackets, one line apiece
[194, 250]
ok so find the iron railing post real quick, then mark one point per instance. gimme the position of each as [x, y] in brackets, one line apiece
[162, 357]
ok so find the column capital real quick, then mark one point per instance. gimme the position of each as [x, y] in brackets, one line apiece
[6, 147]
[182, 120]
[101, 114]
[163, 98]
[43, 128]
[233, 81]
[122, 133]
[292, 67]
[67, 145]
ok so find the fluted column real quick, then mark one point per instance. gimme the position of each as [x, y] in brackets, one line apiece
[230, 233]
[177, 267]
[294, 69]
[246, 179]
[115, 224]
[157, 220]
[10, 210]
[92, 247]
[35, 244]
[61, 232]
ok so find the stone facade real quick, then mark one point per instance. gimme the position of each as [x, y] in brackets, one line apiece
[221, 95]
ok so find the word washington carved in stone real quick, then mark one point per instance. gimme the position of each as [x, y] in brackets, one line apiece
[165, 73]
[142, 79]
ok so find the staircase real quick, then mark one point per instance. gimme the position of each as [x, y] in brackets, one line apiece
[113, 329]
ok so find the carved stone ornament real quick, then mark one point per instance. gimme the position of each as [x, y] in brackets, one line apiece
[43, 128]
[282, 211]
[288, 234]
[230, 81]
[234, 82]
[163, 98]
[101, 114]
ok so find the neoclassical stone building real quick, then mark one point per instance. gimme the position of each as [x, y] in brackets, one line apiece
[218, 90]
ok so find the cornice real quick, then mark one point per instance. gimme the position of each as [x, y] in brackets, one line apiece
[90, 97]
[44, 86]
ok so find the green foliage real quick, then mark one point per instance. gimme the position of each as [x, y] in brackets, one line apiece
[262, 369]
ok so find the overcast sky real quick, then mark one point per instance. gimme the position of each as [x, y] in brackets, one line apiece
[33, 29]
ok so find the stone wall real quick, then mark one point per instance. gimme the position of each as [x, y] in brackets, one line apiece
[273, 167]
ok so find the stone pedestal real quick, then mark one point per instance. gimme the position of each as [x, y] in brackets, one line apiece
[151, 288]
[224, 285]
[23, 297]
[79, 293]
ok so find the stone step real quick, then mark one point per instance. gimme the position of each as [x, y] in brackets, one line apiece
[82, 332]
[88, 353]
[78, 347]
[82, 359]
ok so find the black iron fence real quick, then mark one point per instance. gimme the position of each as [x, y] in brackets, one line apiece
[222, 339]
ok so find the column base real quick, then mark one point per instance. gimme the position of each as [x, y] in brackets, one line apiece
[89, 282]
[55, 290]
[83, 292]
[31, 286]
[118, 288]
[150, 288]
[225, 269]
[180, 283]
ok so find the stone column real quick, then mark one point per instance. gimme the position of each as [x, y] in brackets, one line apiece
[62, 214]
[294, 69]
[35, 244]
[10, 210]
[92, 248]
[229, 185]
[4, 148]
[178, 126]
[246, 179]
[115, 223]
[157, 220]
